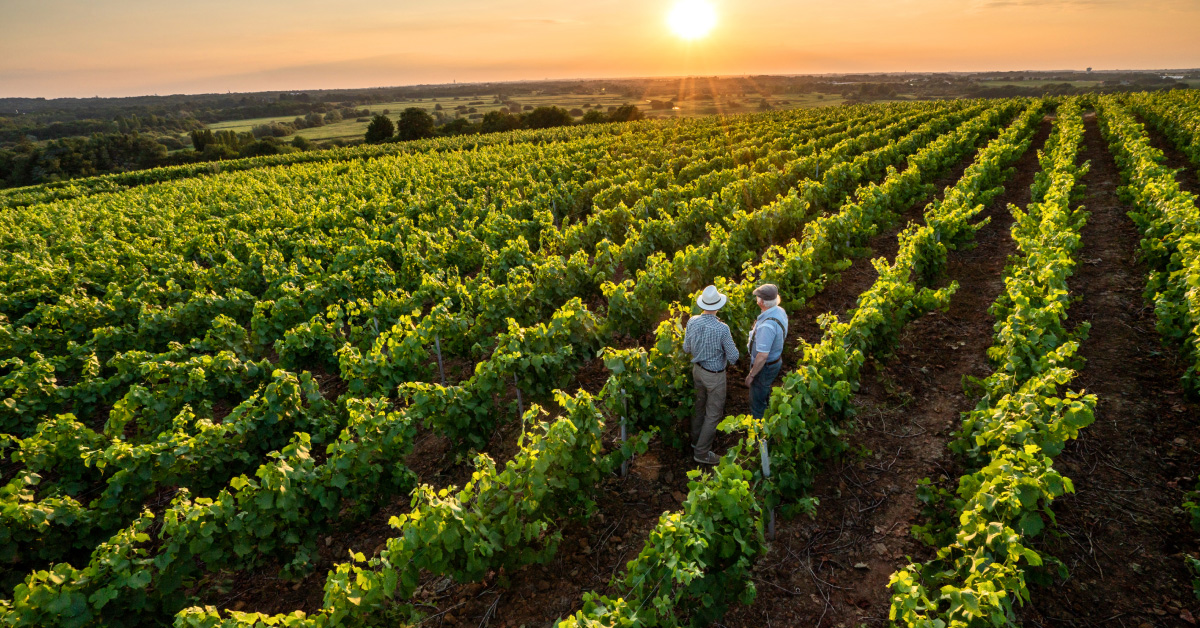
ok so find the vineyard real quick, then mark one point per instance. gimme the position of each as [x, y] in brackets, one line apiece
[442, 383]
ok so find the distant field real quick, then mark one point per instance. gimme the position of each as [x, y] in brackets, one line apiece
[1043, 83]
[349, 129]
[1037, 83]
[245, 125]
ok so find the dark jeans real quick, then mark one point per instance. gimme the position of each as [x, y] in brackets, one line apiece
[760, 388]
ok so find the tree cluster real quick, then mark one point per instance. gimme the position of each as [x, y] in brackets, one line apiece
[867, 92]
[30, 163]
[36, 119]
[14, 129]
[417, 123]
[208, 145]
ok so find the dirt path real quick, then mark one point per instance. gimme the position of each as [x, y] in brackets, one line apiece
[1121, 534]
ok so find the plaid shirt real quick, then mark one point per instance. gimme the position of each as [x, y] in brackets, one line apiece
[709, 342]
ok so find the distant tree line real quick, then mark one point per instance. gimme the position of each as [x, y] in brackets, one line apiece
[1122, 84]
[416, 123]
[134, 147]
[31, 119]
[30, 163]
[20, 128]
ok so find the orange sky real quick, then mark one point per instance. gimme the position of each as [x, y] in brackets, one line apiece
[132, 47]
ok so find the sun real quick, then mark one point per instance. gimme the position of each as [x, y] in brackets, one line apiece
[692, 19]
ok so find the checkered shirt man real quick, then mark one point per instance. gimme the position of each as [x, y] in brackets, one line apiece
[710, 343]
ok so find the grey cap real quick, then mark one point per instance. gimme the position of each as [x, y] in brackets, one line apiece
[767, 292]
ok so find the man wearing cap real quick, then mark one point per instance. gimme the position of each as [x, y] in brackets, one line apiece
[765, 348]
[711, 346]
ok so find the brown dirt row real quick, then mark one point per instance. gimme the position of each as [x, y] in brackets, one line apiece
[1121, 534]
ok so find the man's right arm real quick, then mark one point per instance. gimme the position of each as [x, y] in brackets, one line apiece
[731, 351]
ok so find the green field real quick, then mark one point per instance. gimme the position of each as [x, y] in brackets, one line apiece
[345, 130]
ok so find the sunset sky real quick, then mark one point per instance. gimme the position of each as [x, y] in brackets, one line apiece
[132, 47]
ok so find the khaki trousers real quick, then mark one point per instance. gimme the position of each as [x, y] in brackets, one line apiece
[710, 406]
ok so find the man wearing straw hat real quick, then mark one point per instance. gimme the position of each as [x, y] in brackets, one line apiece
[765, 348]
[711, 346]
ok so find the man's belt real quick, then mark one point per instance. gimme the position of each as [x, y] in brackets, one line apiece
[775, 361]
[710, 370]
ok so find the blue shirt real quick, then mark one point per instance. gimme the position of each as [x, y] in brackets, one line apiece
[767, 337]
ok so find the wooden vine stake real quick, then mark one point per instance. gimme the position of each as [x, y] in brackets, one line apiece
[520, 403]
[766, 467]
[624, 435]
[437, 343]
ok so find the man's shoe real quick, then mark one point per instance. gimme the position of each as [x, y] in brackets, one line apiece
[709, 458]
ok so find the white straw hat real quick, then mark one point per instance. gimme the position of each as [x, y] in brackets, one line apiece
[710, 299]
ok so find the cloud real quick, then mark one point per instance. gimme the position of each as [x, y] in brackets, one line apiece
[1007, 4]
[1073, 4]
[552, 21]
